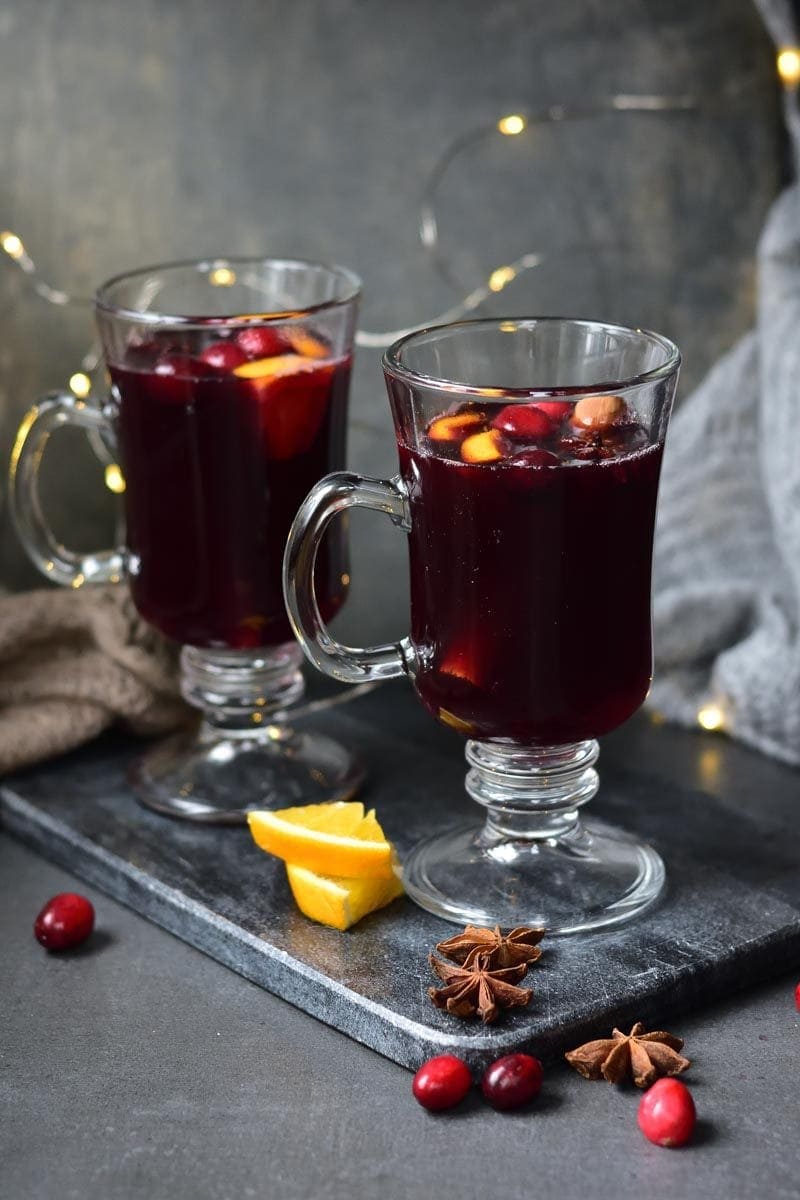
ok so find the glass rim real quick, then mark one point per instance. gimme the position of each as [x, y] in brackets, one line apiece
[102, 302]
[394, 366]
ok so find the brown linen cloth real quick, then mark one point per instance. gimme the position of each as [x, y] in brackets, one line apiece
[73, 663]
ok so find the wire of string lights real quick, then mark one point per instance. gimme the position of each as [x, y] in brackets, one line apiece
[510, 125]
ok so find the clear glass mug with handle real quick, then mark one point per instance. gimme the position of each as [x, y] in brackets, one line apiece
[228, 400]
[530, 453]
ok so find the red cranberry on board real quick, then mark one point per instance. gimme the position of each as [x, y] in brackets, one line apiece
[441, 1082]
[556, 410]
[512, 1081]
[65, 921]
[262, 341]
[524, 421]
[667, 1114]
[225, 356]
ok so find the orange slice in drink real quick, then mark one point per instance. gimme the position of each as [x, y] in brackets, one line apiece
[293, 393]
[482, 447]
[453, 428]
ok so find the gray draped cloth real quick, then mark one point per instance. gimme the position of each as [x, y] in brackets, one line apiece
[73, 663]
[727, 567]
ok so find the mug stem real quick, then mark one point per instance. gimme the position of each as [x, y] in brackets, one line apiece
[237, 690]
[534, 860]
[531, 793]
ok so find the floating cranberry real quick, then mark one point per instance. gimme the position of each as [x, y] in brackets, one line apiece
[180, 366]
[142, 355]
[667, 1114]
[524, 421]
[585, 449]
[441, 1082]
[262, 341]
[556, 410]
[512, 1081]
[65, 921]
[224, 355]
[534, 458]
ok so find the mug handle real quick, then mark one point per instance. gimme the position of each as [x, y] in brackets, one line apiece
[327, 499]
[56, 562]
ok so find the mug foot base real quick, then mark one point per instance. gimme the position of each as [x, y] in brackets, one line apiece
[592, 877]
[216, 776]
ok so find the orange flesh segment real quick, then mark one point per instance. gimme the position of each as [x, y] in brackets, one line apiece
[333, 839]
[482, 447]
[337, 901]
[306, 344]
[450, 429]
[270, 368]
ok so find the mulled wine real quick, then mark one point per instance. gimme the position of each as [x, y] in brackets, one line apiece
[219, 448]
[530, 553]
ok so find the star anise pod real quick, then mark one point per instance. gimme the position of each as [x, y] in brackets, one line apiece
[645, 1056]
[518, 946]
[478, 989]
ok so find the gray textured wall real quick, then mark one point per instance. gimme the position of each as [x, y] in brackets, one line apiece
[168, 128]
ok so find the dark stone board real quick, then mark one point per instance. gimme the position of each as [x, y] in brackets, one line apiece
[731, 914]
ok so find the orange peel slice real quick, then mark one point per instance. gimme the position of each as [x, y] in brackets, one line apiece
[337, 839]
[482, 447]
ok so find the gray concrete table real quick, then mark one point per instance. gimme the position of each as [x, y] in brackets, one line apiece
[140, 1068]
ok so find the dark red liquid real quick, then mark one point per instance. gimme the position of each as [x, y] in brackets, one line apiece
[215, 470]
[530, 592]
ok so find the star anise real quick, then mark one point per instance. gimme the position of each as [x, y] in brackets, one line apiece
[518, 946]
[478, 989]
[645, 1056]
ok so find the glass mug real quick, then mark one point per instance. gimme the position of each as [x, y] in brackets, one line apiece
[228, 400]
[529, 455]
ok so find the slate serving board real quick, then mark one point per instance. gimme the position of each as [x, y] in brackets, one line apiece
[731, 914]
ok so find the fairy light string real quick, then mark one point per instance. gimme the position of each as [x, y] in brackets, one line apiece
[710, 716]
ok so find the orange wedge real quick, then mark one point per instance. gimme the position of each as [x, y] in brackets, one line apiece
[306, 344]
[269, 368]
[450, 429]
[329, 839]
[336, 901]
[480, 447]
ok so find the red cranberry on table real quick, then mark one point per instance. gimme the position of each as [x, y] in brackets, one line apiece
[441, 1082]
[225, 356]
[512, 1081]
[65, 921]
[797, 997]
[667, 1114]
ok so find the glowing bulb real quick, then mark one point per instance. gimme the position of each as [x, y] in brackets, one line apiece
[711, 717]
[789, 66]
[80, 384]
[222, 277]
[511, 125]
[500, 277]
[12, 245]
[115, 480]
